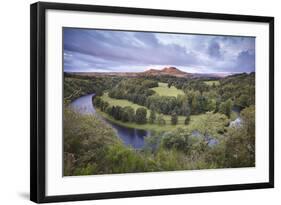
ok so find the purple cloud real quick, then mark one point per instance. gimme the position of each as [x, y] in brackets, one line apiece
[214, 49]
[106, 50]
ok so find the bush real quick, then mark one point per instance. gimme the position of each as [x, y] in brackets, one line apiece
[161, 120]
[225, 107]
[140, 117]
[187, 120]
[174, 119]
[152, 117]
[128, 114]
[181, 140]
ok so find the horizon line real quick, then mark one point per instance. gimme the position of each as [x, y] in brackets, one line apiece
[154, 69]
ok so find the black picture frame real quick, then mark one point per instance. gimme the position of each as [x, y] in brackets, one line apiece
[38, 101]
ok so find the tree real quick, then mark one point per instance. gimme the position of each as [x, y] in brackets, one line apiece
[85, 137]
[187, 120]
[242, 101]
[193, 98]
[128, 113]
[140, 117]
[162, 104]
[109, 110]
[152, 117]
[104, 105]
[161, 120]
[202, 105]
[101, 104]
[211, 124]
[124, 115]
[178, 139]
[96, 101]
[185, 108]
[226, 107]
[169, 84]
[174, 119]
[211, 105]
[116, 112]
[240, 141]
[135, 90]
[217, 107]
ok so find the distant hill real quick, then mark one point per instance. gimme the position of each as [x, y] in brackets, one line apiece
[166, 71]
[172, 71]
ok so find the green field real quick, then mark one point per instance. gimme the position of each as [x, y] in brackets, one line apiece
[195, 120]
[124, 103]
[119, 102]
[163, 90]
[211, 82]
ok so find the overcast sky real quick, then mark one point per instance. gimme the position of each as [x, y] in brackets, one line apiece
[87, 50]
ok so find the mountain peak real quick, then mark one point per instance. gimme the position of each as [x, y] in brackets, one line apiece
[173, 71]
[151, 70]
[170, 68]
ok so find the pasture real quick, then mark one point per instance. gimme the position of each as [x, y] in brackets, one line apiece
[164, 90]
[212, 82]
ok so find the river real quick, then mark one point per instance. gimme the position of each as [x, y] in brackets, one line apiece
[129, 136]
[132, 136]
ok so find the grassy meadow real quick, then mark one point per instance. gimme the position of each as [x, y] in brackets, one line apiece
[119, 102]
[195, 120]
[164, 90]
[212, 82]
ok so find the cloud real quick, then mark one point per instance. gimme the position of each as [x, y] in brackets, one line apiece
[246, 61]
[214, 50]
[105, 50]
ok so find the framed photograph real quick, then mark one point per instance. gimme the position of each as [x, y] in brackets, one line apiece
[129, 102]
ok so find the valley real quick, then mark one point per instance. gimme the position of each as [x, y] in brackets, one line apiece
[169, 113]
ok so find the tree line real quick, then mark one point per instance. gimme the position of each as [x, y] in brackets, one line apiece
[140, 116]
[124, 114]
[135, 90]
[77, 86]
[199, 97]
[236, 90]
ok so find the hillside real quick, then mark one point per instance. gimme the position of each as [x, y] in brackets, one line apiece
[166, 71]
[171, 71]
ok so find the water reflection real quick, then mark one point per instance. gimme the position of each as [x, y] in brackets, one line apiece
[130, 136]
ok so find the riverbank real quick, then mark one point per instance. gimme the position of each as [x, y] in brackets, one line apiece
[219, 123]
[147, 126]
[84, 105]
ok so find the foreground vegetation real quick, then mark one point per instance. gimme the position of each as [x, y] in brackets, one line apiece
[92, 147]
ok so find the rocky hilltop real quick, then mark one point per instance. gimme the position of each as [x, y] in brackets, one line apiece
[172, 71]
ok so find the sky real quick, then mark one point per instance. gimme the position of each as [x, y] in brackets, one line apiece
[90, 50]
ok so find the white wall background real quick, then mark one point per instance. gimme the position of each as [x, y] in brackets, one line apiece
[14, 101]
